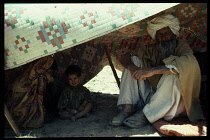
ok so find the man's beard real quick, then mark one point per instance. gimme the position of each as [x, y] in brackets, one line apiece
[167, 48]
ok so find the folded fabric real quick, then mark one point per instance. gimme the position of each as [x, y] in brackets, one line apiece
[180, 127]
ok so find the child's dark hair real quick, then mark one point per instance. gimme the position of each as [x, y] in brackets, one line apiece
[73, 69]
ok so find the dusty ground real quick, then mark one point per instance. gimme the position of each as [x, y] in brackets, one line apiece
[105, 91]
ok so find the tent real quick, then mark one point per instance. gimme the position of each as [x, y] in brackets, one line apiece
[79, 37]
[81, 33]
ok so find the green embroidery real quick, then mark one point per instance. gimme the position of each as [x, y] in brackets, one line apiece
[38, 37]
[68, 26]
[45, 51]
[114, 26]
[32, 23]
[18, 37]
[26, 51]
[74, 41]
[85, 12]
[57, 41]
[90, 26]
[27, 21]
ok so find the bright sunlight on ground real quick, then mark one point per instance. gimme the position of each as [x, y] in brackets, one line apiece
[104, 81]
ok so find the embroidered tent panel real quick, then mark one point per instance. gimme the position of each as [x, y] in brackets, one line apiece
[88, 52]
[34, 31]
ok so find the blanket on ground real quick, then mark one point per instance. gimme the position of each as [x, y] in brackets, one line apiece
[180, 127]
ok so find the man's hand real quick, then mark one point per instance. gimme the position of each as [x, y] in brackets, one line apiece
[143, 73]
[133, 68]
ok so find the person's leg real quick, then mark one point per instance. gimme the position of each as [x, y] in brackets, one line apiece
[72, 111]
[128, 109]
[166, 103]
[65, 115]
[166, 100]
[87, 109]
[131, 91]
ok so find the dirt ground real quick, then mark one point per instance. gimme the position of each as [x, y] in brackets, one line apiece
[105, 92]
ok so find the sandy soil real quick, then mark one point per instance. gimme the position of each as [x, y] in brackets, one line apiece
[104, 82]
[105, 92]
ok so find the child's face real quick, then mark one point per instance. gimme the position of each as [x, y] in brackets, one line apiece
[73, 79]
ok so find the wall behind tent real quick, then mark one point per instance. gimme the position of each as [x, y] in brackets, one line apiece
[91, 57]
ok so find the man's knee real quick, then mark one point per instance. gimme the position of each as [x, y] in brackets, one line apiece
[168, 78]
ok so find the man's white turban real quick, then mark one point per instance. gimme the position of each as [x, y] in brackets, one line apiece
[163, 21]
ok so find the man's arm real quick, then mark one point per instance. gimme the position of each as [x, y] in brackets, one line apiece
[127, 63]
[144, 73]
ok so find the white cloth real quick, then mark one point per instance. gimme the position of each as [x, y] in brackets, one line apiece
[172, 67]
[166, 102]
[163, 21]
[131, 89]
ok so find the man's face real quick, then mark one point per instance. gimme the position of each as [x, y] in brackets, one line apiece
[164, 35]
[166, 41]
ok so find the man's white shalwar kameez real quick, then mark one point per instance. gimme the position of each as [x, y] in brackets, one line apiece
[166, 102]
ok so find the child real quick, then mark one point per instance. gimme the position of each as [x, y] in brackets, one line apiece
[75, 101]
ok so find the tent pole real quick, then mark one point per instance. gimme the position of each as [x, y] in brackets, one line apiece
[112, 66]
[11, 121]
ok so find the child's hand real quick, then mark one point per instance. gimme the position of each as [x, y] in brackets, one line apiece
[73, 119]
[72, 111]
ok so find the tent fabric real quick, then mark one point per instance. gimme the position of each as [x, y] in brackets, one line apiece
[36, 30]
[91, 57]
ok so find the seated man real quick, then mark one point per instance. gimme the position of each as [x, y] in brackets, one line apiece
[160, 80]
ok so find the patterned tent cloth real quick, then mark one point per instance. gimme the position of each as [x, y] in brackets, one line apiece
[34, 31]
[77, 34]
[119, 27]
